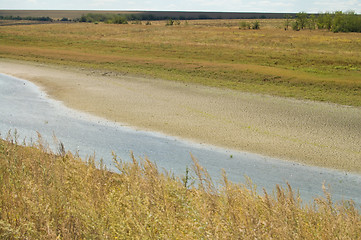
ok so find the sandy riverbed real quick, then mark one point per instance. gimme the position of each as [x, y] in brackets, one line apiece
[313, 133]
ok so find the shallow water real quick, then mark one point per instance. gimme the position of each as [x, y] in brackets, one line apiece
[25, 108]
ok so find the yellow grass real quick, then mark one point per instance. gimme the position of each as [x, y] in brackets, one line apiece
[317, 65]
[48, 196]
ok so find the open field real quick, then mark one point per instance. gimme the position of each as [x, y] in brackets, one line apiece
[48, 196]
[316, 65]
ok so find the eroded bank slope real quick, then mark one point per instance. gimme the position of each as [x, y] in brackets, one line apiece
[322, 134]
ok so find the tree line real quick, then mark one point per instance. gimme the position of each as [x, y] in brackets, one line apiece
[336, 22]
[333, 21]
[107, 18]
[45, 19]
[124, 18]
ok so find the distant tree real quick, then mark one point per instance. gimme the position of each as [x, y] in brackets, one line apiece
[337, 22]
[45, 19]
[83, 18]
[295, 26]
[287, 21]
[204, 16]
[302, 19]
[120, 20]
[312, 22]
[324, 21]
[148, 17]
[346, 22]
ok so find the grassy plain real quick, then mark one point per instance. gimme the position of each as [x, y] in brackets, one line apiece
[58, 196]
[317, 65]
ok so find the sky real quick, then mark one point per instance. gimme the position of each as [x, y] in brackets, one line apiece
[310, 6]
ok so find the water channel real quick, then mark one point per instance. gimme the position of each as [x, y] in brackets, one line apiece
[24, 107]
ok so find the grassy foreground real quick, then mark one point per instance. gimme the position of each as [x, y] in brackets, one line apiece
[318, 65]
[47, 196]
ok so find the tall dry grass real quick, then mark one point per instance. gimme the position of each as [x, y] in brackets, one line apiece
[58, 196]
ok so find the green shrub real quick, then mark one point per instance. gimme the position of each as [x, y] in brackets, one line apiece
[170, 22]
[287, 21]
[301, 20]
[256, 25]
[324, 21]
[295, 26]
[346, 22]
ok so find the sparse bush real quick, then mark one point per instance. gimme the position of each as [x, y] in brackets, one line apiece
[83, 18]
[295, 26]
[170, 22]
[119, 20]
[137, 22]
[244, 25]
[256, 25]
[301, 20]
[287, 21]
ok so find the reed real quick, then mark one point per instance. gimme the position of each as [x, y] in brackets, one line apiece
[46, 195]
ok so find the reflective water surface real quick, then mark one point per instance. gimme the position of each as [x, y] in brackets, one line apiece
[27, 109]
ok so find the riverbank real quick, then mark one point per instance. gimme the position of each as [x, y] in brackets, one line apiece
[321, 134]
[73, 199]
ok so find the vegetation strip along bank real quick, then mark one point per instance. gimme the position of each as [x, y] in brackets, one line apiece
[317, 65]
[45, 195]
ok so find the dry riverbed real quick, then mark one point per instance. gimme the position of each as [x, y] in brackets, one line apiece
[321, 134]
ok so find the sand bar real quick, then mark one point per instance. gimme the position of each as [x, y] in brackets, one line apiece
[314, 133]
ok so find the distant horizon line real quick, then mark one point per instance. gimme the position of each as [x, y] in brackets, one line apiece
[179, 11]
